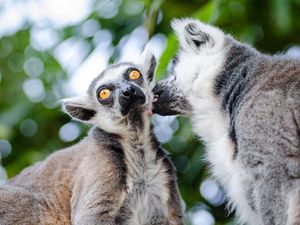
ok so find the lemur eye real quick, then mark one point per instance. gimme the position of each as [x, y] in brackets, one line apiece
[104, 93]
[134, 75]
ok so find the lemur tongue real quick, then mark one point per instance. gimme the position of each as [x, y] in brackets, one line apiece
[149, 110]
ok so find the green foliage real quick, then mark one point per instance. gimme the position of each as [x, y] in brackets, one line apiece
[31, 125]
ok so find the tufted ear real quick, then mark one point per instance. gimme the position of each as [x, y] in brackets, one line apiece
[148, 62]
[196, 36]
[79, 108]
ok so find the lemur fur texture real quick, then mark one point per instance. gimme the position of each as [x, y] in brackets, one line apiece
[245, 106]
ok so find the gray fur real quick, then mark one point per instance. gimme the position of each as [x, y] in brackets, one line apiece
[112, 178]
[260, 96]
[268, 135]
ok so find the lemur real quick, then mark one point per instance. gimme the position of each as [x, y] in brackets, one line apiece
[245, 106]
[117, 175]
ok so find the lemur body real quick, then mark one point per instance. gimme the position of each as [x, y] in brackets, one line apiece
[118, 174]
[245, 106]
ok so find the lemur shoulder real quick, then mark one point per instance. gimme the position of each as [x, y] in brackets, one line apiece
[118, 174]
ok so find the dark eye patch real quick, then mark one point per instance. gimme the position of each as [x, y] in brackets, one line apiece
[110, 100]
[127, 72]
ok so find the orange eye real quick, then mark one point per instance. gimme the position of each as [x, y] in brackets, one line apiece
[104, 93]
[134, 75]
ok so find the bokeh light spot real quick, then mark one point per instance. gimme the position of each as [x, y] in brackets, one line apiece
[210, 190]
[33, 67]
[294, 52]
[34, 89]
[163, 133]
[163, 127]
[71, 52]
[103, 37]
[28, 127]
[89, 28]
[133, 7]
[43, 39]
[69, 132]
[108, 8]
[5, 148]
[202, 217]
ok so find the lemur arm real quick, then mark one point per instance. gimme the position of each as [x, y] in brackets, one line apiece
[102, 210]
[98, 196]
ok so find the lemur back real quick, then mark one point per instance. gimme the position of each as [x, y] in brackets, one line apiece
[245, 106]
[118, 174]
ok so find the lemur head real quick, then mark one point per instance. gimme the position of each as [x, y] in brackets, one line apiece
[200, 48]
[115, 95]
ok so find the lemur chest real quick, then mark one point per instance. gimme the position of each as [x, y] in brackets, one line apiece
[147, 192]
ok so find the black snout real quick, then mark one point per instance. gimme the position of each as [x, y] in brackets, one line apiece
[168, 102]
[163, 98]
[130, 97]
[129, 92]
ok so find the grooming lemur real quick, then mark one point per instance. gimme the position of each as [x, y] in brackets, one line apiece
[117, 175]
[245, 106]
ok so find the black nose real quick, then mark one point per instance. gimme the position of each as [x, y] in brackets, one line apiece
[165, 101]
[129, 92]
[131, 96]
[158, 90]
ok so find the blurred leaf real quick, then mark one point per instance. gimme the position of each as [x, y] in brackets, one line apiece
[207, 12]
[282, 15]
[172, 45]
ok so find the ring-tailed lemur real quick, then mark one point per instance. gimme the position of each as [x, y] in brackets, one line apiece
[117, 175]
[245, 106]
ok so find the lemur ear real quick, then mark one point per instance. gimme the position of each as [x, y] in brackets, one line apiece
[149, 63]
[197, 36]
[79, 108]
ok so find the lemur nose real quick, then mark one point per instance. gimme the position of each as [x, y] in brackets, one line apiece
[129, 92]
[157, 91]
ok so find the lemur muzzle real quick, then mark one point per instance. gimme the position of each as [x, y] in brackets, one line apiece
[130, 97]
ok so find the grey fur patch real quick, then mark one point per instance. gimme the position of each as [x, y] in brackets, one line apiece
[235, 80]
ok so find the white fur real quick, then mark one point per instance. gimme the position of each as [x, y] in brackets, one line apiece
[195, 74]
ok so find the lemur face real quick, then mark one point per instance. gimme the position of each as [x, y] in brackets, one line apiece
[120, 89]
[200, 44]
[117, 92]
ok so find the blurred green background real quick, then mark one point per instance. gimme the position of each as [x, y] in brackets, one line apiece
[51, 49]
